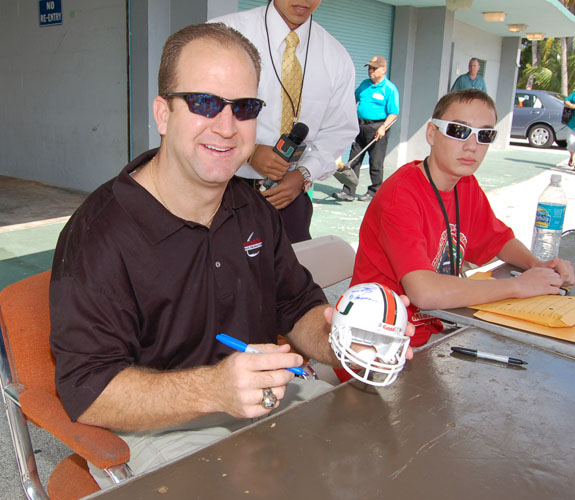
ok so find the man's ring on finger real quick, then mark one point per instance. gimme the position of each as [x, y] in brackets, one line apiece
[269, 399]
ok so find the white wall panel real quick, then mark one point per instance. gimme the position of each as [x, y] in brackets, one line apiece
[64, 88]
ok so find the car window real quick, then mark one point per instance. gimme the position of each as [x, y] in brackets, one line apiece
[524, 100]
[536, 102]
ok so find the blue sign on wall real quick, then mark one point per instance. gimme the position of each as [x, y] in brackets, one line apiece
[50, 12]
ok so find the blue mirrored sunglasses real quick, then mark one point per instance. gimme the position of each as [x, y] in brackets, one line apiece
[209, 105]
[463, 132]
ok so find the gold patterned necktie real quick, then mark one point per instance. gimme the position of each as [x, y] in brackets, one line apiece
[291, 80]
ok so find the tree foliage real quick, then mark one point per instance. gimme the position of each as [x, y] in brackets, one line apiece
[546, 75]
[543, 63]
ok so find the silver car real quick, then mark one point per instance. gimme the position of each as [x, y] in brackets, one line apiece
[537, 117]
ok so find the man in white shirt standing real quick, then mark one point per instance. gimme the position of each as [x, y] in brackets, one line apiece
[325, 103]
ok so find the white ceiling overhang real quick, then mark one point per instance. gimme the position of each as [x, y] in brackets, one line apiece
[549, 17]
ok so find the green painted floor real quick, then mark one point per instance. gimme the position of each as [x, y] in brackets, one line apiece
[25, 252]
[29, 250]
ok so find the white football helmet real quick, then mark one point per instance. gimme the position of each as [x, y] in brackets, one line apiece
[371, 315]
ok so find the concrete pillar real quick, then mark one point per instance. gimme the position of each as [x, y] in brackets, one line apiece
[401, 74]
[510, 50]
[421, 57]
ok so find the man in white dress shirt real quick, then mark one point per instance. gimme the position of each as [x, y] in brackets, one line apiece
[326, 104]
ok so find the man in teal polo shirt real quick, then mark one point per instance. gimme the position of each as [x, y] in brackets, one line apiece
[570, 103]
[377, 108]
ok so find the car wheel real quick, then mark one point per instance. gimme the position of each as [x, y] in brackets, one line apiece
[541, 136]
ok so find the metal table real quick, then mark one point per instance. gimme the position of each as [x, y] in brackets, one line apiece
[450, 427]
[464, 315]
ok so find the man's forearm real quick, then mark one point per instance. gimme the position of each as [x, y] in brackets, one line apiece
[138, 399]
[389, 121]
[517, 254]
[431, 290]
[310, 336]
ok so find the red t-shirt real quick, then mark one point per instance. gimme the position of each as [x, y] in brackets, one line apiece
[404, 230]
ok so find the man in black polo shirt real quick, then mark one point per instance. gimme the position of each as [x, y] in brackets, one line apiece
[172, 252]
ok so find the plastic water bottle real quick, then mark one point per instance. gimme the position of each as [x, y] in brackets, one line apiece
[549, 220]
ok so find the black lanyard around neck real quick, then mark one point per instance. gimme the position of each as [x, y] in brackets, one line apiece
[454, 263]
[294, 109]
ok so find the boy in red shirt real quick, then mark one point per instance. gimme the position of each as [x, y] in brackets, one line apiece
[404, 240]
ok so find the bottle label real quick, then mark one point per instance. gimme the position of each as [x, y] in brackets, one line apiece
[550, 216]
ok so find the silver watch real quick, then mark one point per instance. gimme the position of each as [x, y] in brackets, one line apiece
[307, 182]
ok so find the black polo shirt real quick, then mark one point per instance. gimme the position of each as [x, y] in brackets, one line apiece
[133, 284]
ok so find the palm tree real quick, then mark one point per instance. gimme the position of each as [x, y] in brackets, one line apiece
[550, 64]
[534, 64]
[547, 72]
[564, 72]
[545, 69]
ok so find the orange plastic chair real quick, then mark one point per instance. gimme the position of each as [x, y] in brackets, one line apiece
[27, 369]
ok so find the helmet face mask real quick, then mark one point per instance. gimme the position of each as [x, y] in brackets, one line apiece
[373, 316]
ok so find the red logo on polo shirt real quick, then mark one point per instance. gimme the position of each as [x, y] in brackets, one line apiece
[252, 246]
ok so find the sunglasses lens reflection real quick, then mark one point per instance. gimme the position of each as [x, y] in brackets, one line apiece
[486, 136]
[458, 131]
[204, 104]
[246, 109]
[462, 132]
[210, 105]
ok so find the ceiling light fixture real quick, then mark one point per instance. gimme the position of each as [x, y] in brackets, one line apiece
[516, 28]
[535, 36]
[494, 17]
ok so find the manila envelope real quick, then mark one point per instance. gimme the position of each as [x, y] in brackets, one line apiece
[563, 333]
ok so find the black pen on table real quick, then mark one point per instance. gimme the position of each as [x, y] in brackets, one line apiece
[487, 355]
